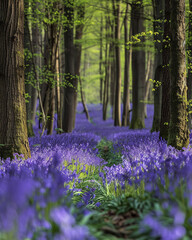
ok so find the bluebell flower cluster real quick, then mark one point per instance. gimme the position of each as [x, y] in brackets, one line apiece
[36, 194]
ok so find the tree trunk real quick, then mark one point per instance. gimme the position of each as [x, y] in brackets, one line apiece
[107, 71]
[61, 77]
[36, 42]
[189, 78]
[28, 70]
[72, 83]
[158, 38]
[13, 126]
[138, 68]
[157, 100]
[178, 131]
[117, 120]
[78, 45]
[113, 71]
[101, 60]
[126, 95]
[83, 100]
[165, 109]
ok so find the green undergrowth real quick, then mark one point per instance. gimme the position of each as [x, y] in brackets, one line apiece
[108, 153]
[104, 197]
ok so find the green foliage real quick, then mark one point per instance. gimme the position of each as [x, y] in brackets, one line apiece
[108, 153]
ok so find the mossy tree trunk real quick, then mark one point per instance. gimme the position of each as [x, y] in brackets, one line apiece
[189, 77]
[13, 125]
[138, 67]
[165, 107]
[178, 130]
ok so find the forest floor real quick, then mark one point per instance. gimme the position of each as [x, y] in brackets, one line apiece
[125, 170]
[98, 182]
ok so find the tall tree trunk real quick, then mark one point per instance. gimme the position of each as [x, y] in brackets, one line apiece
[189, 78]
[71, 88]
[83, 100]
[78, 45]
[138, 68]
[126, 95]
[148, 76]
[157, 99]
[165, 109]
[107, 71]
[158, 38]
[28, 69]
[101, 60]
[178, 130]
[61, 77]
[117, 120]
[13, 126]
[36, 42]
[113, 71]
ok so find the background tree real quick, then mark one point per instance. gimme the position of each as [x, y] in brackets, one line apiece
[165, 108]
[158, 38]
[138, 67]
[117, 9]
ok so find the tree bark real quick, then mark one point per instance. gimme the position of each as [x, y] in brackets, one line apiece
[117, 120]
[178, 131]
[189, 77]
[36, 42]
[28, 70]
[70, 94]
[158, 38]
[13, 126]
[165, 108]
[101, 61]
[107, 70]
[157, 100]
[126, 94]
[138, 68]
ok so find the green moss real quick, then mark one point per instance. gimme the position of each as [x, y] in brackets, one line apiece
[137, 124]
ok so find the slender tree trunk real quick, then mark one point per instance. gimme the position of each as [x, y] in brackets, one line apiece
[61, 77]
[59, 113]
[178, 131]
[157, 100]
[13, 126]
[101, 61]
[83, 100]
[107, 69]
[149, 75]
[117, 120]
[71, 88]
[158, 38]
[113, 71]
[36, 43]
[138, 68]
[78, 45]
[28, 69]
[189, 78]
[126, 95]
[165, 109]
